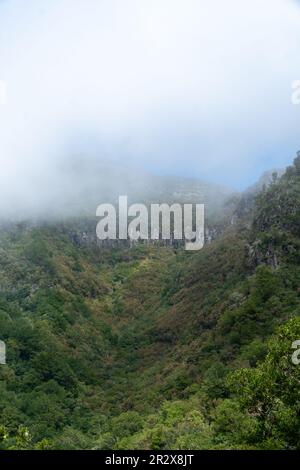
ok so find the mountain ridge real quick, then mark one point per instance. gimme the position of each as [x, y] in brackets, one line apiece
[151, 346]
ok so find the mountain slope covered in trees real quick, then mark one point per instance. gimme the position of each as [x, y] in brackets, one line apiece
[151, 346]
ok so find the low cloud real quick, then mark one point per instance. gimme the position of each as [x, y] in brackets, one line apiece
[190, 88]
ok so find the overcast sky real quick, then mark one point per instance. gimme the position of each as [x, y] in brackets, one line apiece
[187, 87]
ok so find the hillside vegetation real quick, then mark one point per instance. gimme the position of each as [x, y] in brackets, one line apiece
[154, 347]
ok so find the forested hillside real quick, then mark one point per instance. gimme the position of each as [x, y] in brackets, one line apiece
[151, 346]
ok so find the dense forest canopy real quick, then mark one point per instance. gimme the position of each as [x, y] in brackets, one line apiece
[151, 347]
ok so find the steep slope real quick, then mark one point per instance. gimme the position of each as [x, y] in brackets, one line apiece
[151, 346]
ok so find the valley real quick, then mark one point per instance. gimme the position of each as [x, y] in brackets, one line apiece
[149, 346]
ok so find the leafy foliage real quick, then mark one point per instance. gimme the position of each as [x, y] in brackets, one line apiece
[151, 346]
